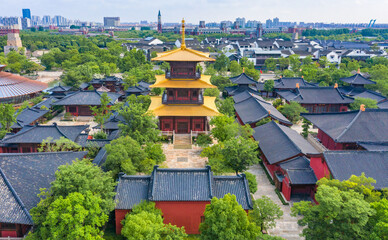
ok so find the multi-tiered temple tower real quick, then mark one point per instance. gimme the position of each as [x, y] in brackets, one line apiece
[183, 108]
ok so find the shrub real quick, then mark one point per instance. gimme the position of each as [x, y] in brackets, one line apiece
[203, 140]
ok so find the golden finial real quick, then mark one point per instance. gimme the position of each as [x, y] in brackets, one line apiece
[183, 45]
[362, 107]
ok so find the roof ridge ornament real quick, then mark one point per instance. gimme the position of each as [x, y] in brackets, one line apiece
[183, 44]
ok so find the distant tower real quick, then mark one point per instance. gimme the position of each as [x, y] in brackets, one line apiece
[13, 42]
[159, 23]
[202, 24]
[259, 30]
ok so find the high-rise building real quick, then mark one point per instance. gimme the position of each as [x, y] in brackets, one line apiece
[159, 22]
[111, 21]
[26, 13]
[35, 20]
[259, 30]
[202, 24]
[46, 20]
[276, 22]
[240, 22]
[12, 21]
[26, 23]
[60, 21]
[268, 23]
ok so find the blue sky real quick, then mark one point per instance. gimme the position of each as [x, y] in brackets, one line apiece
[344, 11]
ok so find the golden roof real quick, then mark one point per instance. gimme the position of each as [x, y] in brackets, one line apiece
[163, 82]
[207, 109]
[183, 53]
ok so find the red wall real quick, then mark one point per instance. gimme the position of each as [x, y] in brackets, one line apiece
[328, 142]
[186, 214]
[320, 167]
[286, 189]
[119, 216]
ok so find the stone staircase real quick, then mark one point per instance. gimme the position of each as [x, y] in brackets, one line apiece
[182, 141]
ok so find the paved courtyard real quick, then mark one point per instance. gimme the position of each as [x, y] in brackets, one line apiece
[286, 227]
[183, 158]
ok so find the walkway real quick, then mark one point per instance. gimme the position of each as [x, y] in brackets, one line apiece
[286, 227]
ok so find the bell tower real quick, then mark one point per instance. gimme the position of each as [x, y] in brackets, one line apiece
[159, 23]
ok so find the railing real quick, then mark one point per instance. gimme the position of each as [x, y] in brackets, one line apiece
[316, 144]
[165, 100]
[167, 133]
[11, 238]
[195, 75]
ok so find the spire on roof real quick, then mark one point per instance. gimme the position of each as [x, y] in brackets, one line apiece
[183, 45]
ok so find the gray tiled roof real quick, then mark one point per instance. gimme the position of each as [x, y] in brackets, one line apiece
[370, 125]
[180, 185]
[344, 164]
[91, 98]
[372, 95]
[375, 146]
[315, 95]
[131, 190]
[254, 109]
[299, 171]
[279, 143]
[357, 79]
[245, 95]
[383, 105]
[243, 79]
[290, 83]
[37, 133]
[59, 88]
[22, 176]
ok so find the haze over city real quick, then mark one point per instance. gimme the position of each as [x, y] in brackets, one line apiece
[343, 11]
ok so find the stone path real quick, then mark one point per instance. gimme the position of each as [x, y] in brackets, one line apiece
[183, 158]
[286, 227]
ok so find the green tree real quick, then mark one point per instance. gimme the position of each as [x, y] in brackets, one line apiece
[323, 62]
[222, 63]
[226, 106]
[146, 206]
[77, 216]
[263, 121]
[283, 63]
[225, 219]
[81, 177]
[277, 102]
[253, 73]
[265, 213]
[7, 118]
[48, 61]
[268, 86]
[294, 62]
[307, 60]
[146, 225]
[379, 222]
[292, 111]
[306, 125]
[339, 215]
[220, 81]
[59, 145]
[103, 112]
[235, 68]
[240, 153]
[252, 182]
[225, 128]
[367, 102]
[211, 92]
[138, 123]
[270, 64]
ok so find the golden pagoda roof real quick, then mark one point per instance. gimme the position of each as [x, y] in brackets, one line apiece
[207, 109]
[183, 53]
[163, 82]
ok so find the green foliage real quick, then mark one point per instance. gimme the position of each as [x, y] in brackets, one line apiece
[277, 102]
[235, 68]
[146, 206]
[367, 102]
[240, 153]
[339, 215]
[253, 73]
[269, 85]
[59, 145]
[251, 181]
[225, 128]
[222, 63]
[211, 92]
[226, 106]
[138, 123]
[270, 64]
[225, 219]
[204, 140]
[103, 112]
[292, 111]
[306, 125]
[128, 156]
[81, 177]
[7, 118]
[283, 63]
[77, 216]
[100, 135]
[144, 101]
[220, 81]
[265, 213]
[379, 222]
[263, 121]
[294, 62]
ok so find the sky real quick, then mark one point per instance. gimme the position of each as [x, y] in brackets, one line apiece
[339, 11]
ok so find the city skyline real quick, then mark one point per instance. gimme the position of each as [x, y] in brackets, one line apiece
[344, 11]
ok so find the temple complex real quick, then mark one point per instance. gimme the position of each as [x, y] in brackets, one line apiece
[182, 108]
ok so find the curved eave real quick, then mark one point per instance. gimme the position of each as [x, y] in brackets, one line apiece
[182, 55]
[207, 109]
[163, 82]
